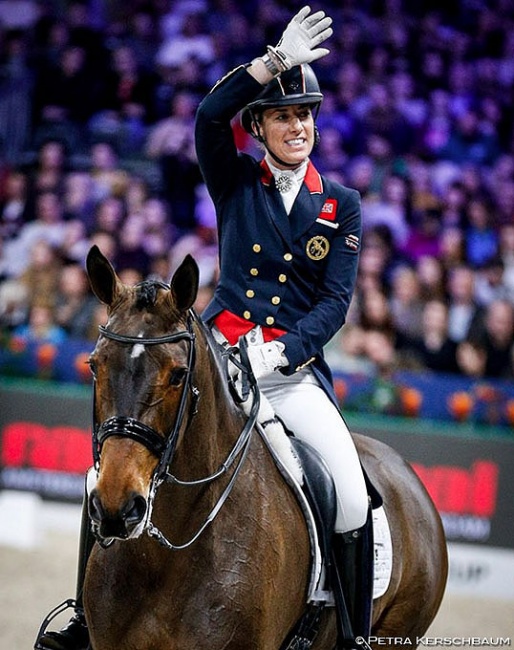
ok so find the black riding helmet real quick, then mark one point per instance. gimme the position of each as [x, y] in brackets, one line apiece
[295, 86]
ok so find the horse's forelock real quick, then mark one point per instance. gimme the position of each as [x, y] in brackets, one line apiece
[148, 297]
[146, 294]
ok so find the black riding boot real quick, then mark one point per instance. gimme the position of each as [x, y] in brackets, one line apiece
[353, 558]
[74, 635]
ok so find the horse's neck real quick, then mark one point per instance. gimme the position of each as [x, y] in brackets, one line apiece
[218, 422]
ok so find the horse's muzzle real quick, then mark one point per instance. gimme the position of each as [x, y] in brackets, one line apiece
[120, 524]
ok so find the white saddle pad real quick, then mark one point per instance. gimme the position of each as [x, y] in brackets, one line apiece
[383, 552]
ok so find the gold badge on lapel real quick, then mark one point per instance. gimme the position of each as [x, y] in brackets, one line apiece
[317, 247]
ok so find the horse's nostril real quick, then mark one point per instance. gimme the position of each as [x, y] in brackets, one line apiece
[135, 510]
[96, 511]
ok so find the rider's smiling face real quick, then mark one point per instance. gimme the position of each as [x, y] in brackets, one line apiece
[288, 132]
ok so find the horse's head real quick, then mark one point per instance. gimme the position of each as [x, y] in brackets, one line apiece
[142, 366]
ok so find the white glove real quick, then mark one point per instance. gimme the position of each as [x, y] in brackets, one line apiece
[267, 358]
[300, 38]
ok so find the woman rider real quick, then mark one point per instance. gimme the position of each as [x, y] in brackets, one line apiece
[289, 240]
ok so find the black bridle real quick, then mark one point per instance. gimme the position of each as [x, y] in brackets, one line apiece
[163, 445]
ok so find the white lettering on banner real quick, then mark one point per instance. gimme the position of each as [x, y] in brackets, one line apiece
[466, 527]
[52, 484]
[481, 569]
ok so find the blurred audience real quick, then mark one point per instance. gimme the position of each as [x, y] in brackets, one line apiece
[432, 278]
[96, 138]
[464, 314]
[406, 303]
[14, 205]
[42, 275]
[488, 352]
[481, 235]
[75, 304]
[40, 328]
[433, 349]
[171, 144]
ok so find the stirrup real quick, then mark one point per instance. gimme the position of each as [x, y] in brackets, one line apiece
[70, 603]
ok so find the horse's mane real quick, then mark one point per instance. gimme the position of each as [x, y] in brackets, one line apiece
[217, 353]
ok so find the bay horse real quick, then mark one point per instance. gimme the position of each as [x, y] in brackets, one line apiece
[180, 464]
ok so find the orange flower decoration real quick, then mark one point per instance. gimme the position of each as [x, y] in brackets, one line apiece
[411, 400]
[460, 405]
[45, 354]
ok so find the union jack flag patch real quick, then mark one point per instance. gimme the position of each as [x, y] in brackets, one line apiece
[328, 213]
[329, 210]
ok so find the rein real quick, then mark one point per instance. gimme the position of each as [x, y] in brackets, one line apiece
[164, 447]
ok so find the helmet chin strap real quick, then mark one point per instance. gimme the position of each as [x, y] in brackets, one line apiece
[279, 160]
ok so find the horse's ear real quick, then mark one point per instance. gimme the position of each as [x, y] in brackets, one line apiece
[102, 277]
[184, 284]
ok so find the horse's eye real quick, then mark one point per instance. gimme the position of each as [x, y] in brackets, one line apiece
[177, 376]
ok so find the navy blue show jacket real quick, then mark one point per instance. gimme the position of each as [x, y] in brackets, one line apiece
[294, 272]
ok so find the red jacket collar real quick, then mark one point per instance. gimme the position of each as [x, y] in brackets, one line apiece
[312, 178]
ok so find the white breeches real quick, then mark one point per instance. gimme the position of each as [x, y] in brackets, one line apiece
[309, 413]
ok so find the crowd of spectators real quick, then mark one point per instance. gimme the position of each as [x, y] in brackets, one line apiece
[97, 106]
